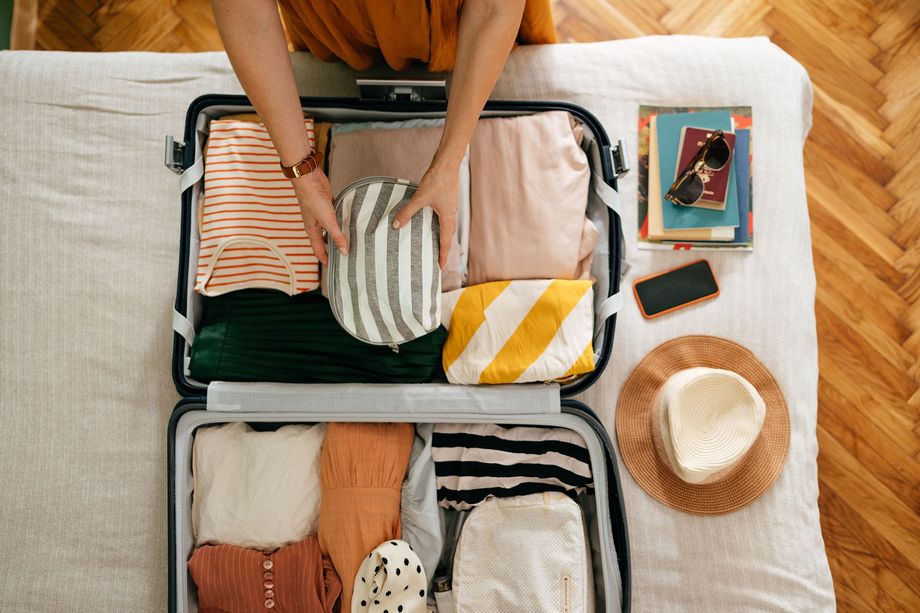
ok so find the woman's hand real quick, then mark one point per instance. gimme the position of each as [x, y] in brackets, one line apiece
[437, 189]
[315, 197]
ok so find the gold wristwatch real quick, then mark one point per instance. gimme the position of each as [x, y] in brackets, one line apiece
[301, 168]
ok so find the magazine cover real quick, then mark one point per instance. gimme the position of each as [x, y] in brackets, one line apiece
[742, 119]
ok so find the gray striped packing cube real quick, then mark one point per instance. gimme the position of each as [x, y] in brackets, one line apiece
[387, 290]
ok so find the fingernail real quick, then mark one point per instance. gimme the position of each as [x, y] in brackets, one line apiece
[343, 251]
[396, 224]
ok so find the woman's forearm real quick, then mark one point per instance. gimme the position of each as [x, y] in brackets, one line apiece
[487, 32]
[254, 39]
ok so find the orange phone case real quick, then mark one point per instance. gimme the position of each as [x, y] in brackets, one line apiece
[679, 306]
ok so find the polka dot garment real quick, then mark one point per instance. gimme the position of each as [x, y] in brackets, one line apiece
[391, 580]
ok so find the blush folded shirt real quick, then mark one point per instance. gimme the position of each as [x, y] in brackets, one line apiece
[529, 180]
[293, 579]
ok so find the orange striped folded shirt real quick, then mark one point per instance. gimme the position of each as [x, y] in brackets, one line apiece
[250, 225]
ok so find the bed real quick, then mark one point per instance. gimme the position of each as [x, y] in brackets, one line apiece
[89, 223]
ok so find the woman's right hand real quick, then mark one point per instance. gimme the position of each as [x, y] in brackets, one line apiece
[315, 198]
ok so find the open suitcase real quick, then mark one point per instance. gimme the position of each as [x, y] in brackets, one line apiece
[276, 403]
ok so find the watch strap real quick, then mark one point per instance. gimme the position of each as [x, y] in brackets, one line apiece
[301, 168]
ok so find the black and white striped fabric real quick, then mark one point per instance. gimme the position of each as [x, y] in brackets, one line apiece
[475, 461]
[387, 290]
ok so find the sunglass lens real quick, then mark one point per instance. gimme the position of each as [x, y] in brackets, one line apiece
[689, 191]
[718, 155]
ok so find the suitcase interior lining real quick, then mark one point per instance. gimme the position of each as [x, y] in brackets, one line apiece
[598, 521]
[597, 209]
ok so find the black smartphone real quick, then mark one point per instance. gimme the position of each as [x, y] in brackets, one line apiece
[667, 291]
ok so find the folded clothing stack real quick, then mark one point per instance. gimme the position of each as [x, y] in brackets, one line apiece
[261, 335]
[255, 510]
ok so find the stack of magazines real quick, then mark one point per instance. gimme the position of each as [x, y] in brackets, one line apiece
[671, 143]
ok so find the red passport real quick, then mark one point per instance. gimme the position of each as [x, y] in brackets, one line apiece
[715, 183]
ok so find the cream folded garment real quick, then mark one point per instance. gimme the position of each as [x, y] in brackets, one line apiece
[259, 490]
[529, 182]
[401, 149]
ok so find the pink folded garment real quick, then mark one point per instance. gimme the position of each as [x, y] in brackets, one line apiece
[529, 183]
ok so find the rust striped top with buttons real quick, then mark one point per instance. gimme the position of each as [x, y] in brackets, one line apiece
[293, 579]
[250, 226]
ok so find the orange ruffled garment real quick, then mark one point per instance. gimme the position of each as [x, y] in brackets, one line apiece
[364, 32]
[362, 467]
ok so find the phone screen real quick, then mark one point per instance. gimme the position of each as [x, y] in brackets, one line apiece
[676, 287]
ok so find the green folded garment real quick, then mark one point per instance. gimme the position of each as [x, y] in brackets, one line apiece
[263, 335]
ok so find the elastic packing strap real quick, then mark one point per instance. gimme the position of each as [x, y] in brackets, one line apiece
[183, 327]
[611, 305]
[191, 175]
[607, 194]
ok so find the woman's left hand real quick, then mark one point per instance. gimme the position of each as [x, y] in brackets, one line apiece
[437, 189]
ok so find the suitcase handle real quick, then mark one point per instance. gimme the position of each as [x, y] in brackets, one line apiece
[403, 90]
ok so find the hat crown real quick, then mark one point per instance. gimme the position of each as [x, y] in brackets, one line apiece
[711, 418]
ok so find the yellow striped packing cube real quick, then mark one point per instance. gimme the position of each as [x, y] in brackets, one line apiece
[518, 331]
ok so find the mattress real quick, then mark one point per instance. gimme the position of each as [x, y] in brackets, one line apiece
[88, 257]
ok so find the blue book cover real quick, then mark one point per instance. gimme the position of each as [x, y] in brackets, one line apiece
[675, 216]
[742, 162]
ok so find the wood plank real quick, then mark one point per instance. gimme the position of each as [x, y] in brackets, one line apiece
[840, 80]
[875, 252]
[869, 367]
[130, 23]
[24, 25]
[849, 23]
[870, 445]
[832, 298]
[894, 425]
[198, 28]
[826, 131]
[856, 540]
[876, 504]
[712, 18]
[897, 22]
[829, 165]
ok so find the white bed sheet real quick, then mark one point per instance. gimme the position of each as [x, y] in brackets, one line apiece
[89, 223]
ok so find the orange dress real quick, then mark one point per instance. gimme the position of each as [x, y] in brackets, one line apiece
[364, 32]
[362, 467]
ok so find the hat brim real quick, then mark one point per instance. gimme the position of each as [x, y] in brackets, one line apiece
[745, 481]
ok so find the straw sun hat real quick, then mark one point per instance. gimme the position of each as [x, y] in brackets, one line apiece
[702, 425]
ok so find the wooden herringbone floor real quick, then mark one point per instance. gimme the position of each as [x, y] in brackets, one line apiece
[863, 177]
